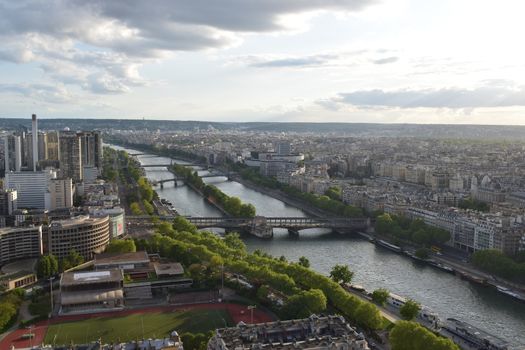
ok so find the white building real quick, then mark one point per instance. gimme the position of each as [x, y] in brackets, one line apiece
[31, 187]
[116, 220]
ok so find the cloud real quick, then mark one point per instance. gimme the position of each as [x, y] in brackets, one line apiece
[100, 45]
[323, 59]
[307, 61]
[386, 60]
[41, 92]
[485, 96]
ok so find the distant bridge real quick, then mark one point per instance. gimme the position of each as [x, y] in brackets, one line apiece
[293, 224]
[179, 178]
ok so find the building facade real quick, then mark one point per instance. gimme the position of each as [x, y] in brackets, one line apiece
[71, 156]
[83, 234]
[60, 193]
[31, 187]
[20, 243]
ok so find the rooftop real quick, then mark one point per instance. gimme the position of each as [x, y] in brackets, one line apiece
[89, 277]
[121, 258]
[308, 333]
[168, 269]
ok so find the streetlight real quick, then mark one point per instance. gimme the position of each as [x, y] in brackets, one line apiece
[251, 307]
[222, 282]
[51, 293]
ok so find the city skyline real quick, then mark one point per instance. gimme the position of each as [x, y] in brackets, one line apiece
[333, 61]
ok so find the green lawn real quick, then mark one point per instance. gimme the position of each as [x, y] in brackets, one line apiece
[126, 328]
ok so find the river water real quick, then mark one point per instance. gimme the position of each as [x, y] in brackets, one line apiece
[374, 267]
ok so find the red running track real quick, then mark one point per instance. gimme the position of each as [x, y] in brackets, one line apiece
[237, 312]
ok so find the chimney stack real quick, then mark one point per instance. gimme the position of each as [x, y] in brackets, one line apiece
[35, 141]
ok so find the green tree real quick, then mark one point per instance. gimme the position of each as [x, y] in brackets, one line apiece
[380, 296]
[341, 274]
[148, 207]
[247, 211]
[305, 303]
[135, 208]
[165, 228]
[303, 261]
[121, 246]
[422, 253]
[407, 335]
[410, 310]
[234, 241]
[182, 224]
[384, 223]
[368, 316]
[43, 268]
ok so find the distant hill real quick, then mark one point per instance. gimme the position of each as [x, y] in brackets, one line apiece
[492, 132]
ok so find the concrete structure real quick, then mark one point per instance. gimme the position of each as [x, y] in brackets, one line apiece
[34, 140]
[117, 224]
[20, 243]
[20, 279]
[283, 148]
[83, 234]
[60, 193]
[71, 156]
[124, 261]
[8, 202]
[12, 153]
[319, 333]
[53, 145]
[31, 187]
[90, 173]
[91, 145]
[88, 291]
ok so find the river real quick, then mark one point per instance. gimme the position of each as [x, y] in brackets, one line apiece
[374, 267]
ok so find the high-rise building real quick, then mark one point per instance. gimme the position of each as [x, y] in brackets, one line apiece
[8, 202]
[42, 146]
[71, 156]
[91, 148]
[12, 153]
[34, 140]
[53, 145]
[60, 193]
[31, 187]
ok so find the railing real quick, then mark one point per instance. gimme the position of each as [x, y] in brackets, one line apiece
[286, 222]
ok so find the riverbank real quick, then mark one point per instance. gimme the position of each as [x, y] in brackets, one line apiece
[440, 262]
[374, 267]
[277, 194]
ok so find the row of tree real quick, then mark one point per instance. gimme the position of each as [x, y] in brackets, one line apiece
[9, 305]
[305, 291]
[49, 265]
[499, 264]
[406, 335]
[232, 205]
[287, 278]
[416, 231]
[331, 202]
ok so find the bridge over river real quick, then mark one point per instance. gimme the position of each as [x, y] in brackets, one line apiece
[262, 226]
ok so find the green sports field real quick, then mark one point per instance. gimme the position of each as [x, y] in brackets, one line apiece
[136, 326]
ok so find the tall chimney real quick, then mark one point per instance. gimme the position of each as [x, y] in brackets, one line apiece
[35, 142]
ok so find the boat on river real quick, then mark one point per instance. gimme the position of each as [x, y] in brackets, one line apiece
[510, 293]
[389, 246]
[479, 338]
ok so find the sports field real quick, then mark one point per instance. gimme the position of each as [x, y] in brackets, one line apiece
[137, 326]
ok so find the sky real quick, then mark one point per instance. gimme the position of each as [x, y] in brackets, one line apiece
[367, 61]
